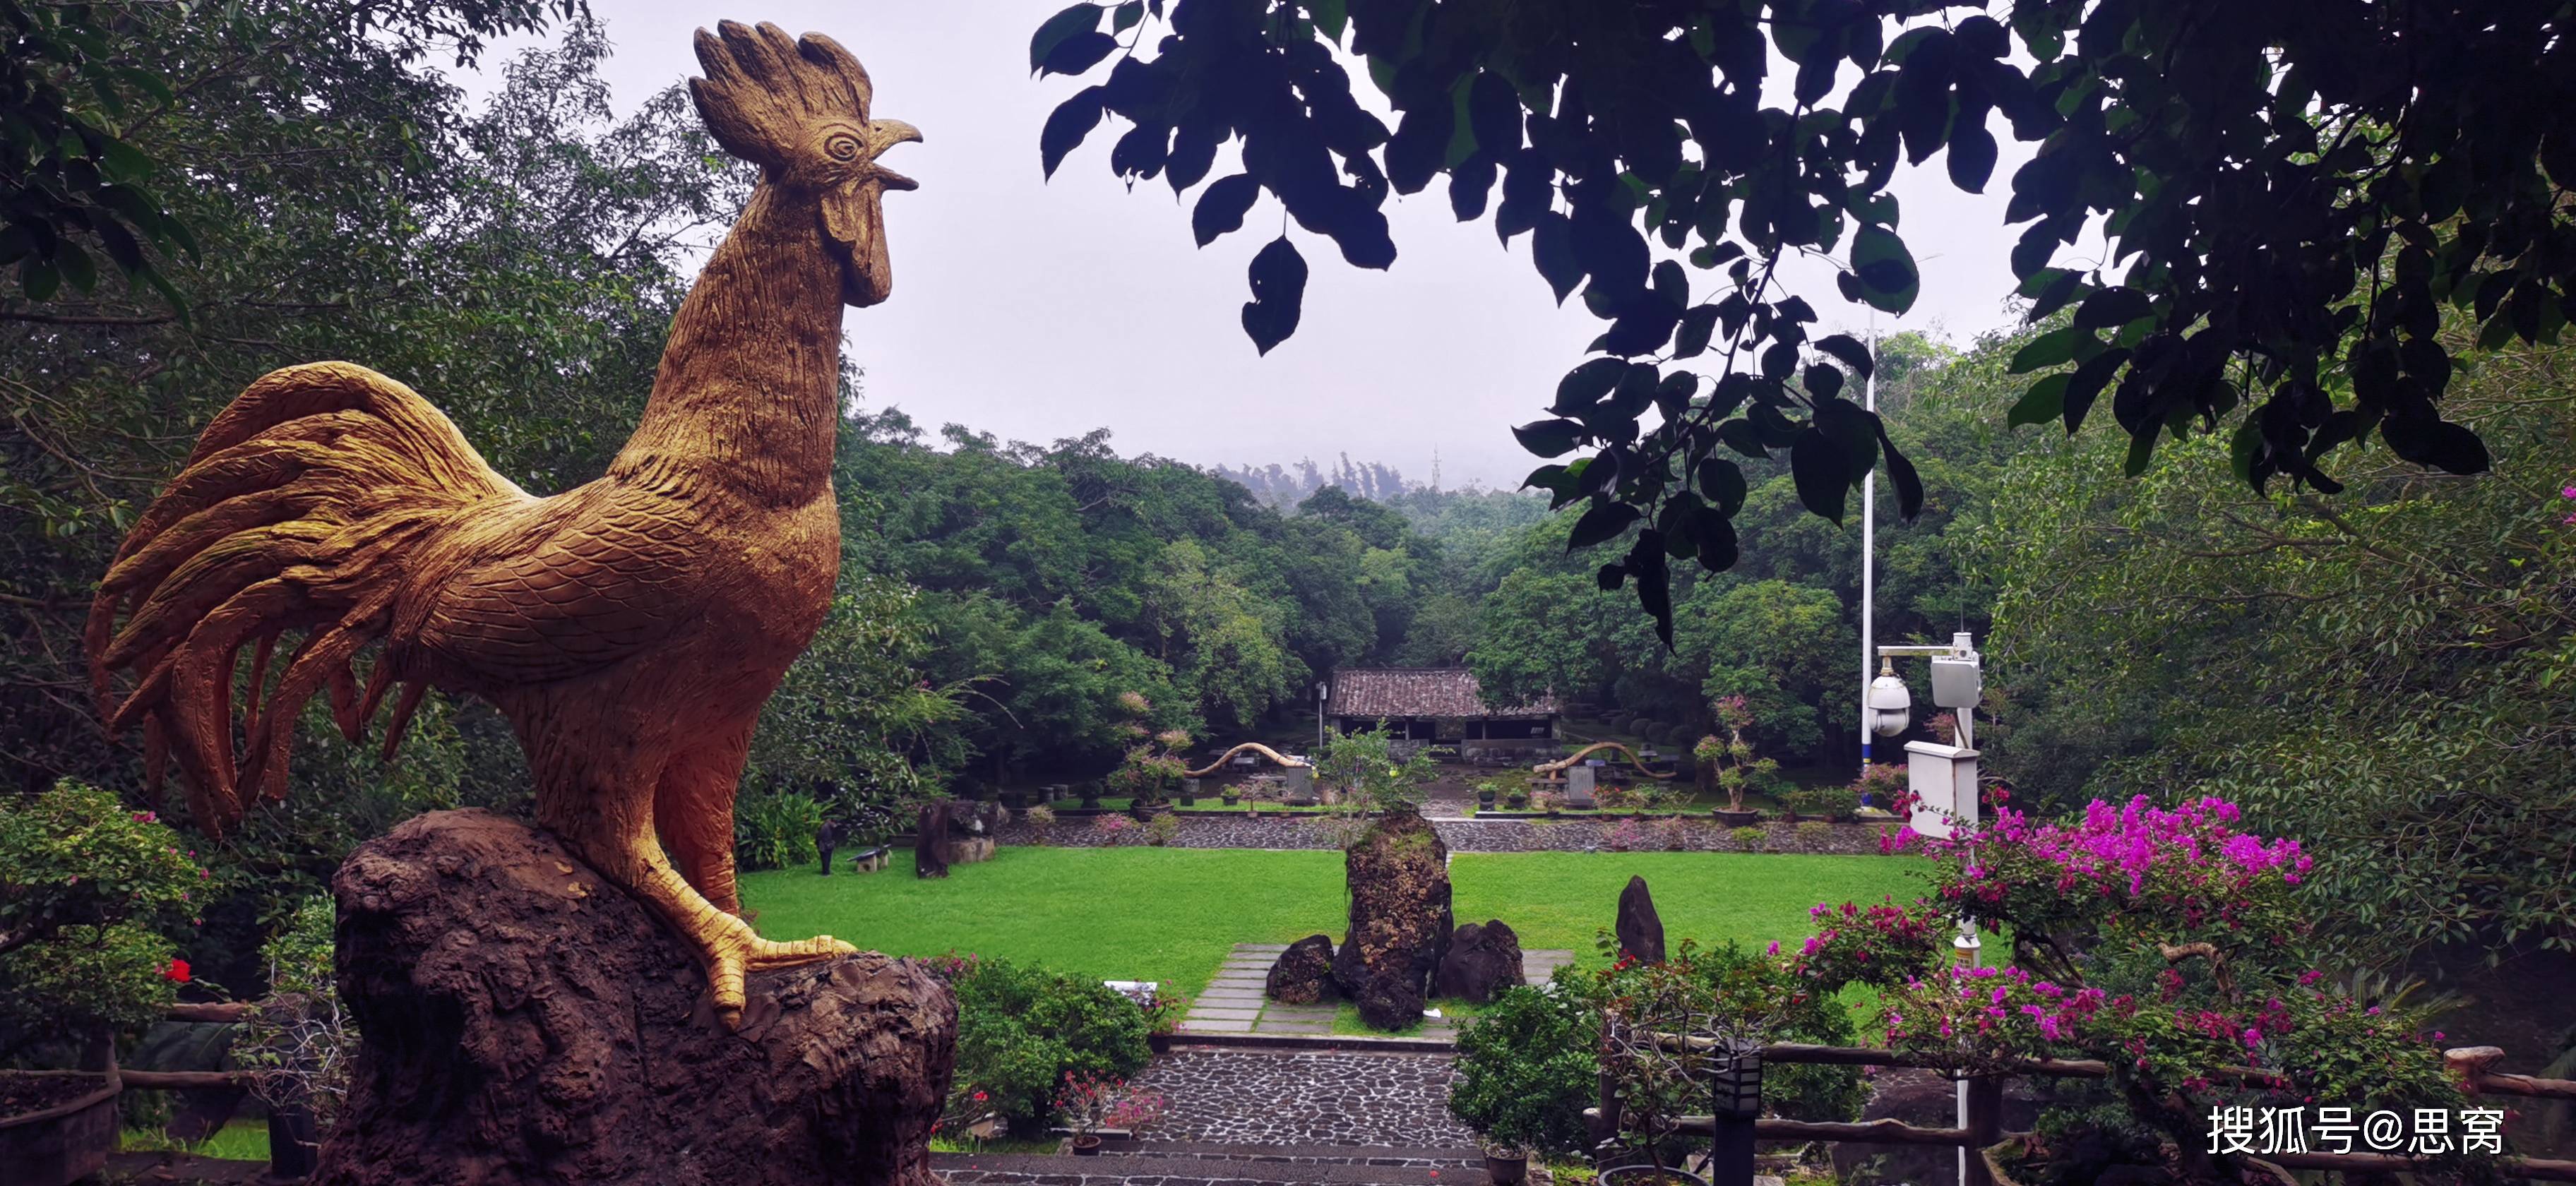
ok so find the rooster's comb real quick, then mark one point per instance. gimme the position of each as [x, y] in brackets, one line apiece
[763, 87]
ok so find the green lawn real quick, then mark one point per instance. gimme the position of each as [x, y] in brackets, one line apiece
[1171, 914]
[238, 1140]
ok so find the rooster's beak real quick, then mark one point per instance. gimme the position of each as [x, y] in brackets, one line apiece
[884, 134]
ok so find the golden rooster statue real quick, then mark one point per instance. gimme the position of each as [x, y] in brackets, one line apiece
[630, 629]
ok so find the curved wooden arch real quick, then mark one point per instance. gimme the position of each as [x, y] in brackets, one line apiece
[1256, 747]
[1577, 756]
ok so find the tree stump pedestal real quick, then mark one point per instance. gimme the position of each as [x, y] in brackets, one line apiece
[525, 1021]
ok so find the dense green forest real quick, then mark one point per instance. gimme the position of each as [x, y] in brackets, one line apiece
[518, 261]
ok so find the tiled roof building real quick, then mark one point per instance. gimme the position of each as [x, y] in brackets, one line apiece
[1440, 704]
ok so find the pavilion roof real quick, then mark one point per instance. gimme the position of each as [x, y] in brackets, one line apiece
[1419, 692]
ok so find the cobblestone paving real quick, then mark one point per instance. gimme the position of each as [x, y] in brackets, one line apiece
[1253, 1097]
[1570, 835]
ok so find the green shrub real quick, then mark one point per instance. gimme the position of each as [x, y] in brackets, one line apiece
[1021, 1029]
[1527, 1069]
[1819, 802]
[775, 831]
[1529, 1064]
[1815, 832]
[84, 883]
[1162, 829]
[1748, 838]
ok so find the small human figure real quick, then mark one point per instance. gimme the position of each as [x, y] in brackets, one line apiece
[827, 838]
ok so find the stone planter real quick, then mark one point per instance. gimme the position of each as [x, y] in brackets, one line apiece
[65, 1142]
[1506, 1167]
[1086, 1145]
[1485, 800]
[1735, 819]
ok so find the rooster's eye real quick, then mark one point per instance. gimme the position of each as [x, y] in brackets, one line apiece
[842, 147]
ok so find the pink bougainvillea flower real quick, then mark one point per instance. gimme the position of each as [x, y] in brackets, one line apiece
[177, 972]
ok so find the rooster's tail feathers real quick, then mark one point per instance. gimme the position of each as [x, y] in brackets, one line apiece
[298, 510]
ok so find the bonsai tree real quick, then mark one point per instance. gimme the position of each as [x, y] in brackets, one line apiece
[1152, 762]
[1731, 758]
[87, 888]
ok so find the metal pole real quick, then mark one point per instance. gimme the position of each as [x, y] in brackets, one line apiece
[1868, 561]
[1967, 943]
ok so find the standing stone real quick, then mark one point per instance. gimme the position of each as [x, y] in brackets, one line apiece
[526, 1022]
[1483, 960]
[1399, 920]
[1640, 929]
[1303, 974]
[1301, 787]
[1578, 787]
[930, 842]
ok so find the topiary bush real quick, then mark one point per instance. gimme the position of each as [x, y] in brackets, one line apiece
[1022, 1028]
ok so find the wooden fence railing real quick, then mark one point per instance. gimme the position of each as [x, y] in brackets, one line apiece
[291, 1149]
[1733, 1136]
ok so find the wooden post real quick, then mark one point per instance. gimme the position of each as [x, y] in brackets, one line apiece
[1985, 1126]
[293, 1152]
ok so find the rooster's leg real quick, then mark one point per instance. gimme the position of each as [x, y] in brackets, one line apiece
[612, 828]
[693, 810]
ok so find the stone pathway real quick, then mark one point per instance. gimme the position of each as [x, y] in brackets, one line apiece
[1234, 1002]
[1265, 1097]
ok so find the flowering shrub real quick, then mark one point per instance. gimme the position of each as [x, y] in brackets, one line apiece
[1883, 945]
[2157, 940]
[1627, 835]
[1021, 1029]
[1091, 1103]
[1114, 829]
[2135, 870]
[86, 888]
[1671, 835]
[1880, 784]
[1162, 829]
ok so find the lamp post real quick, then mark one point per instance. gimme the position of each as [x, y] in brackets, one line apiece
[1322, 693]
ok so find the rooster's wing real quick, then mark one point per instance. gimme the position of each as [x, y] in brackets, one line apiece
[578, 583]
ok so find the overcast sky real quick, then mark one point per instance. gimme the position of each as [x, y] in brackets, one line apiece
[1037, 310]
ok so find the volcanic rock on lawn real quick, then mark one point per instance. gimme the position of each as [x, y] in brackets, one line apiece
[1303, 974]
[1399, 921]
[526, 1022]
[1640, 929]
[1483, 960]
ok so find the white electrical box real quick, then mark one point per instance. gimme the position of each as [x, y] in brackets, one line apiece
[1956, 683]
[1943, 779]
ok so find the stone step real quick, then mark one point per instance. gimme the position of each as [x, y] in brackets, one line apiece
[1111, 1169]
